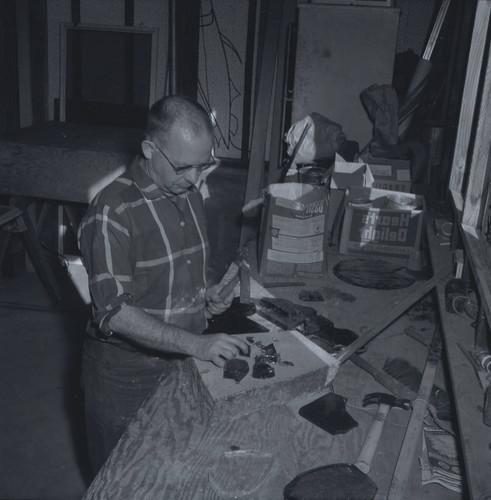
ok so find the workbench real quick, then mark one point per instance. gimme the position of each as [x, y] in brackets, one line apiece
[64, 162]
[177, 445]
[61, 164]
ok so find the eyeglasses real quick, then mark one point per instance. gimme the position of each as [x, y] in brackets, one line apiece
[186, 168]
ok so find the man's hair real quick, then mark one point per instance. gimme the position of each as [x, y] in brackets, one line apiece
[177, 109]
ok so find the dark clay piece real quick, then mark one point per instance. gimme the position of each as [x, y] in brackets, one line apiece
[235, 369]
[262, 369]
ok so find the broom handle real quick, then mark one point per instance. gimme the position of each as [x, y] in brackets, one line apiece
[393, 314]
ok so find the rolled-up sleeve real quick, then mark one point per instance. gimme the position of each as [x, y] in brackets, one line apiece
[104, 240]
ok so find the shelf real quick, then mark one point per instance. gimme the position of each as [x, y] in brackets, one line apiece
[468, 394]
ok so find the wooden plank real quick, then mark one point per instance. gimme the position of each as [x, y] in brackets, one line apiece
[311, 371]
[417, 292]
[282, 66]
[175, 440]
[412, 438]
[24, 63]
[476, 190]
[66, 162]
[255, 175]
[56, 173]
[468, 395]
[476, 253]
[470, 94]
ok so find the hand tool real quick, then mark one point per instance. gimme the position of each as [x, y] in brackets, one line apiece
[232, 277]
[347, 480]
[385, 403]
[245, 282]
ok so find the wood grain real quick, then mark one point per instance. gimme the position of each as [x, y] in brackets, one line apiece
[468, 395]
[477, 184]
[470, 94]
[56, 173]
[311, 371]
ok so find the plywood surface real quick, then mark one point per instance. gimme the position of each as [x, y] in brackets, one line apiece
[64, 162]
[181, 436]
[458, 333]
[305, 373]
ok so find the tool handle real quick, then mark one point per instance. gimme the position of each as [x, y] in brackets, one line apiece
[486, 413]
[229, 287]
[367, 452]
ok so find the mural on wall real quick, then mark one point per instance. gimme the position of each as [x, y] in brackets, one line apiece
[223, 35]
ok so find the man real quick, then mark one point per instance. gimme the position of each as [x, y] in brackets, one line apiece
[143, 241]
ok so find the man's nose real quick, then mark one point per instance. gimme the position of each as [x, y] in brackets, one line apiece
[193, 175]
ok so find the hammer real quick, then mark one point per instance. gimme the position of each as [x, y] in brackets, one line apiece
[385, 402]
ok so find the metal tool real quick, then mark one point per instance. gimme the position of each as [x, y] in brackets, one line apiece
[348, 480]
[385, 402]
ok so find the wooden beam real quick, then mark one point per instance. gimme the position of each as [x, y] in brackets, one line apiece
[263, 102]
[24, 63]
[267, 55]
[412, 438]
[248, 79]
[413, 296]
[280, 90]
[469, 98]
[476, 190]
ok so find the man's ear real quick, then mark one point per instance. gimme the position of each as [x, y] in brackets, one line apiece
[147, 149]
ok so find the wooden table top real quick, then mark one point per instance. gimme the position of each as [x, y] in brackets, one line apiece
[177, 444]
[63, 161]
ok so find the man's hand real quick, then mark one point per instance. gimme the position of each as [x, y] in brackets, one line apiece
[215, 304]
[218, 347]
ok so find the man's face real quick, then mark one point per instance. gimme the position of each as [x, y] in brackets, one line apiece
[183, 148]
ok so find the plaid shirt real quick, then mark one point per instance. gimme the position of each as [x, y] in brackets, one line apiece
[145, 249]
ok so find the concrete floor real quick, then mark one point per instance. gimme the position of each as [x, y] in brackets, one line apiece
[42, 452]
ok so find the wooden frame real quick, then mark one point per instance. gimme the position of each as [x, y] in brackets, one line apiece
[470, 174]
[154, 32]
[364, 3]
[469, 183]
[471, 159]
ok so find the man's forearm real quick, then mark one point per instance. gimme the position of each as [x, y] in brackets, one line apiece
[136, 325]
[145, 330]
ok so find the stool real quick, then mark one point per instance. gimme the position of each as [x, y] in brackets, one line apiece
[15, 220]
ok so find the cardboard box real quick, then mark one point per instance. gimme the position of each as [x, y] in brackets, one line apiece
[344, 174]
[378, 222]
[293, 234]
[390, 173]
